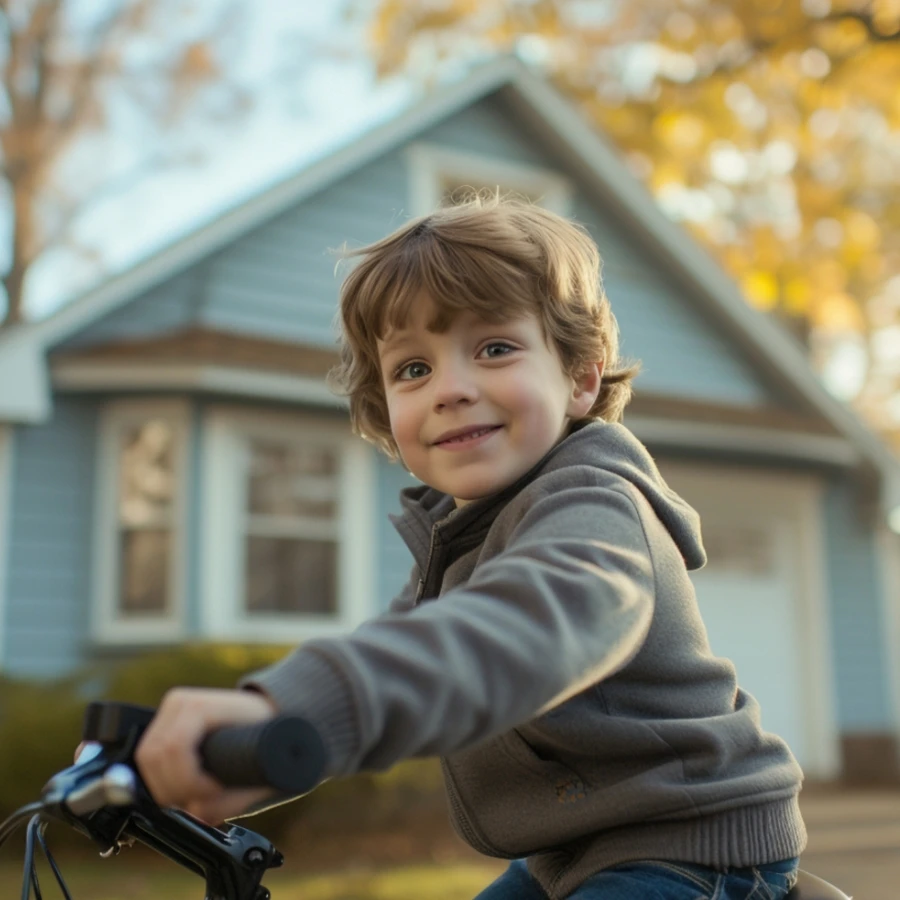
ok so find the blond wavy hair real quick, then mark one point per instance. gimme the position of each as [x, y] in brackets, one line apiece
[499, 257]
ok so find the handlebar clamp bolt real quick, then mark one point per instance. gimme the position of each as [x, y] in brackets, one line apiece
[254, 857]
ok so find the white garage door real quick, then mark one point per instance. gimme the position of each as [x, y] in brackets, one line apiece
[762, 598]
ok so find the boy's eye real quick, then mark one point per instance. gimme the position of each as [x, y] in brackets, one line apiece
[496, 349]
[412, 371]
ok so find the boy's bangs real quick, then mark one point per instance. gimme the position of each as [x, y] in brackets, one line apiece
[454, 279]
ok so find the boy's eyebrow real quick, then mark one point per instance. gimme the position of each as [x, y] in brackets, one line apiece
[396, 340]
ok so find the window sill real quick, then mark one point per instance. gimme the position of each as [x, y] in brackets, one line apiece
[139, 632]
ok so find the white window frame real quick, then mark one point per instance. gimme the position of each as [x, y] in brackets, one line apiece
[430, 165]
[222, 548]
[7, 442]
[107, 626]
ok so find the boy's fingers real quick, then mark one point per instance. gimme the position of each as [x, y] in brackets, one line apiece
[167, 756]
[173, 775]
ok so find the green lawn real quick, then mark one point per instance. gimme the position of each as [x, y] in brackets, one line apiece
[124, 879]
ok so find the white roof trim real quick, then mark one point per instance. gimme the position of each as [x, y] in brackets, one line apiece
[24, 391]
[596, 161]
[745, 439]
[78, 375]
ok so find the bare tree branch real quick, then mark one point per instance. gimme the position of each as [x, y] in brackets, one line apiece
[55, 85]
[78, 207]
[45, 29]
[86, 78]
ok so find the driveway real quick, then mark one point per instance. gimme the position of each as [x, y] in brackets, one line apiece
[854, 840]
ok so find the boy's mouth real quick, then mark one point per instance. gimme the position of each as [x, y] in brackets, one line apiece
[464, 435]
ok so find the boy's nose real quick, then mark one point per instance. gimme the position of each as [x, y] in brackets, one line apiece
[454, 385]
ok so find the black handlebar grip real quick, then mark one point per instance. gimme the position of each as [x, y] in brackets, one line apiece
[285, 753]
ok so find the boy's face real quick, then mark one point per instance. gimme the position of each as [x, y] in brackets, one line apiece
[472, 409]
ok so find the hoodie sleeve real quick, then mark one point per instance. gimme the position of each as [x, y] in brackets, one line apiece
[567, 603]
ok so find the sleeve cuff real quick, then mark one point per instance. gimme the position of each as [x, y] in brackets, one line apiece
[306, 684]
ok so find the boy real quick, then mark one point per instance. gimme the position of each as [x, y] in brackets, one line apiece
[548, 646]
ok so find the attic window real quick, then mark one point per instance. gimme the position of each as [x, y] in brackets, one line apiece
[439, 175]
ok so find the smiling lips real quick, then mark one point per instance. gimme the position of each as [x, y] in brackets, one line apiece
[465, 437]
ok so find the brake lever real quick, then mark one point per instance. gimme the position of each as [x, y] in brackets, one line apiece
[93, 796]
[103, 797]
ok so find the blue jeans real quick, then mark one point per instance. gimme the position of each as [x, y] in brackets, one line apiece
[657, 880]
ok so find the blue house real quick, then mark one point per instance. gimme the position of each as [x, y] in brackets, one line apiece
[173, 466]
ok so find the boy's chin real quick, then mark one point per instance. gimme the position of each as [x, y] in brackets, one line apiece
[473, 495]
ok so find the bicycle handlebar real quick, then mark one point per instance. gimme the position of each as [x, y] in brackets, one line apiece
[285, 753]
[103, 797]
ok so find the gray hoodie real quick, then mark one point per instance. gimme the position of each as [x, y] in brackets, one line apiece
[549, 648]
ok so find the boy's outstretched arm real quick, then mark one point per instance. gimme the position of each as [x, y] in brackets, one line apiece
[168, 758]
[566, 604]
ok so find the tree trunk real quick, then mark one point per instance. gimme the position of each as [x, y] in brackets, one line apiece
[22, 191]
[13, 282]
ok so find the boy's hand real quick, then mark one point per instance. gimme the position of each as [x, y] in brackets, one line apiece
[168, 754]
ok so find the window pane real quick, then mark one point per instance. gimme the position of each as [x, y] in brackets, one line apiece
[291, 480]
[144, 581]
[291, 576]
[147, 473]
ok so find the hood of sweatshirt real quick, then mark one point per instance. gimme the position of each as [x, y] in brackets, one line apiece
[610, 447]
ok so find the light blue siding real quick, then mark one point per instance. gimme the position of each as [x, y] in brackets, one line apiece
[488, 129]
[280, 280]
[680, 353]
[50, 542]
[861, 672]
[393, 555]
[170, 306]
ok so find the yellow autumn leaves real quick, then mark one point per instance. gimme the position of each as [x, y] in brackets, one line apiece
[769, 128]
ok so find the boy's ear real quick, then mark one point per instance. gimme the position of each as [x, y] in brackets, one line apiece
[585, 389]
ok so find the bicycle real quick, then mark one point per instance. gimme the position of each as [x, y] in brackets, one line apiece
[102, 797]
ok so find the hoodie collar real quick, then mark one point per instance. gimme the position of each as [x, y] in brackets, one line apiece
[426, 509]
[601, 445]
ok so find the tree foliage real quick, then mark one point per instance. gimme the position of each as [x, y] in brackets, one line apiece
[771, 128]
[72, 73]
